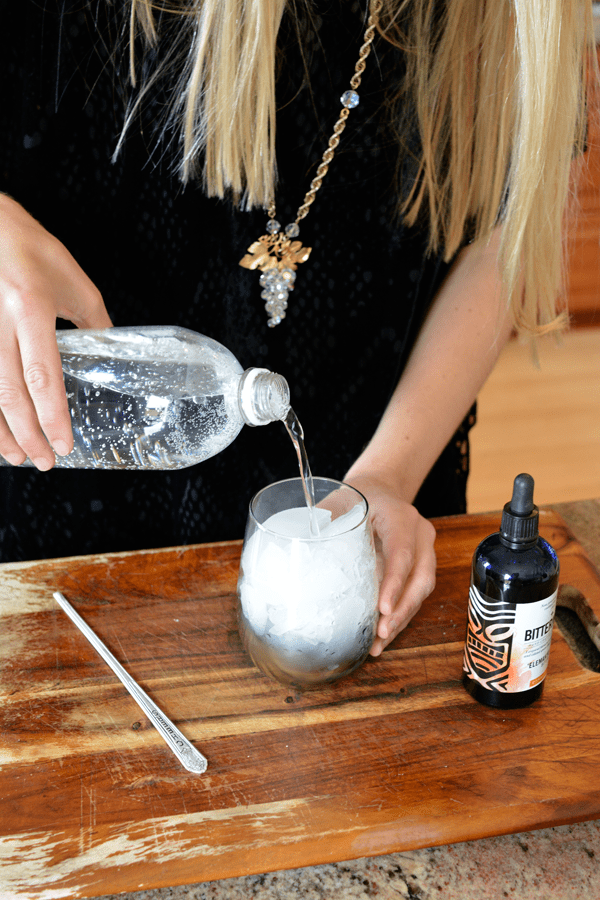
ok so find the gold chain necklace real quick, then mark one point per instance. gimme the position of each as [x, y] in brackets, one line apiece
[277, 254]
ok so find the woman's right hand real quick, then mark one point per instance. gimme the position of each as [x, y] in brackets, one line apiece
[39, 282]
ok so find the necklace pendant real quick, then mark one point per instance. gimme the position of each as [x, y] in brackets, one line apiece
[277, 257]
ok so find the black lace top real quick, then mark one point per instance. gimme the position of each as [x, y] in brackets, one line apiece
[164, 254]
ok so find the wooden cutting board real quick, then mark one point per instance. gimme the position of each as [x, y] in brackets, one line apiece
[397, 756]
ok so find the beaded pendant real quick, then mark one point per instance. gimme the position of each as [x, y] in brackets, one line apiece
[277, 256]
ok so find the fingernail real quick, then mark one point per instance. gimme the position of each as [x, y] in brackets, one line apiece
[43, 464]
[15, 459]
[389, 631]
[61, 447]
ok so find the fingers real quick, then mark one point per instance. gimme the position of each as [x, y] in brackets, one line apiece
[409, 578]
[405, 543]
[39, 281]
[9, 448]
[32, 398]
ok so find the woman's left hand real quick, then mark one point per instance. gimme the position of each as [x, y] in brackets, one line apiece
[405, 544]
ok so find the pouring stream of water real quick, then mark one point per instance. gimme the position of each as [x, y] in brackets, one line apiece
[296, 433]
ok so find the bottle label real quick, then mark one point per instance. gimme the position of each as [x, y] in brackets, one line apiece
[508, 644]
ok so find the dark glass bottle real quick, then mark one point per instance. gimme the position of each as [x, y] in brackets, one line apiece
[512, 600]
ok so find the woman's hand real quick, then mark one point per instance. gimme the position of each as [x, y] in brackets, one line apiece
[405, 544]
[39, 282]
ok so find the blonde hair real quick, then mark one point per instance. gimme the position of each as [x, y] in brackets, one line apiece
[224, 60]
[499, 93]
[498, 89]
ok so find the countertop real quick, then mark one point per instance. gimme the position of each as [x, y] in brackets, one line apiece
[559, 862]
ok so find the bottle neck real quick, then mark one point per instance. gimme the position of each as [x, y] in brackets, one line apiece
[264, 396]
[511, 544]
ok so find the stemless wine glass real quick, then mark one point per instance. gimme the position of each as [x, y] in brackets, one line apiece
[307, 597]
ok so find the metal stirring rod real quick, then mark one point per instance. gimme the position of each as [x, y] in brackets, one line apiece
[185, 752]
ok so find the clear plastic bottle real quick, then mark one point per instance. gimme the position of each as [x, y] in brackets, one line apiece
[158, 397]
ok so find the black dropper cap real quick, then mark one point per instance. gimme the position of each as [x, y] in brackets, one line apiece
[520, 519]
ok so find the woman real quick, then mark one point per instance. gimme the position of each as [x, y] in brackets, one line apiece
[447, 188]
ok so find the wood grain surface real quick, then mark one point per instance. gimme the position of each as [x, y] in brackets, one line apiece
[583, 275]
[397, 756]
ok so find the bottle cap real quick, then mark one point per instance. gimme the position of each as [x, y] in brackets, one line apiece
[264, 396]
[520, 519]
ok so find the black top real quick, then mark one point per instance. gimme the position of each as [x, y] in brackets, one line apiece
[164, 254]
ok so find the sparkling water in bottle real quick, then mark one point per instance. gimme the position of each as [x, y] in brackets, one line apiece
[158, 397]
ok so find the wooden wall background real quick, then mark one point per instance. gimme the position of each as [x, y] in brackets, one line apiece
[584, 247]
